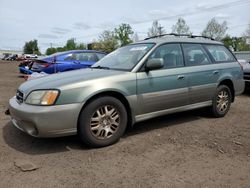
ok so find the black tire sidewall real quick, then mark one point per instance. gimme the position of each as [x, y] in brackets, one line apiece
[86, 114]
[215, 111]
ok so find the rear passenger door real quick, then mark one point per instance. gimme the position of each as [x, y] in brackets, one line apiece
[202, 73]
[163, 88]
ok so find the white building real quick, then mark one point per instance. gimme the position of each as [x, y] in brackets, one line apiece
[3, 52]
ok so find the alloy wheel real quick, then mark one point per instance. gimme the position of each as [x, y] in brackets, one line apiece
[104, 122]
[222, 101]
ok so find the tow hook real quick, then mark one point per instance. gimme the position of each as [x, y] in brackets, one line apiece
[7, 112]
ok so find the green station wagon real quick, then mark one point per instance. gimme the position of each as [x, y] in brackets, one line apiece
[150, 78]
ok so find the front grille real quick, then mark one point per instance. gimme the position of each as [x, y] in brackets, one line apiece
[246, 75]
[19, 96]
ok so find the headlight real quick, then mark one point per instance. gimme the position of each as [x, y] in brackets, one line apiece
[42, 97]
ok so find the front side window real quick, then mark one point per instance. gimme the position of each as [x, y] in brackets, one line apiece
[70, 57]
[220, 53]
[195, 55]
[124, 58]
[171, 55]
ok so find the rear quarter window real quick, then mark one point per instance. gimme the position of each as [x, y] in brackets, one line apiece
[220, 53]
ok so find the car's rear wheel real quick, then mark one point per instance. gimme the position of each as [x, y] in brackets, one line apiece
[221, 101]
[102, 122]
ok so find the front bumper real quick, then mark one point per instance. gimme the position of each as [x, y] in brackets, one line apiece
[45, 121]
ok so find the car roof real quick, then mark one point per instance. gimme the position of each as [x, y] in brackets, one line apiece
[93, 51]
[173, 39]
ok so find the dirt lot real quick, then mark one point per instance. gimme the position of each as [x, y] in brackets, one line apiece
[187, 149]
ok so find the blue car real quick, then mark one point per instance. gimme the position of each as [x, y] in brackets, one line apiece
[64, 61]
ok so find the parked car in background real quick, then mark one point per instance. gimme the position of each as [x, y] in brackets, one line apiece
[21, 57]
[244, 59]
[30, 56]
[63, 61]
[6, 56]
[13, 57]
[246, 69]
[137, 82]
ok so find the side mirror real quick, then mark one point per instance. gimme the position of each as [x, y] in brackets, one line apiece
[155, 63]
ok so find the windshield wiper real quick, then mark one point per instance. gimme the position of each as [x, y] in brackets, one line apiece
[100, 67]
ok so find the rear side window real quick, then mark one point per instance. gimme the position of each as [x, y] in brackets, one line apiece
[220, 53]
[195, 55]
[86, 57]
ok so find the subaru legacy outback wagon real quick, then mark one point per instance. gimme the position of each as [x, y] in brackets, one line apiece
[150, 78]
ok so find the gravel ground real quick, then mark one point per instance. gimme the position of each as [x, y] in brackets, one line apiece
[187, 149]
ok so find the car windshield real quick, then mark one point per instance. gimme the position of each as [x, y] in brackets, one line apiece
[124, 58]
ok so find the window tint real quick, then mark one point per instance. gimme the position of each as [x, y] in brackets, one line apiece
[195, 55]
[171, 55]
[86, 57]
[70, 57]
[220, 53]
[100, 56]
[82, 57]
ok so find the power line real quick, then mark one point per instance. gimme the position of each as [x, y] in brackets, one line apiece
[201, 10]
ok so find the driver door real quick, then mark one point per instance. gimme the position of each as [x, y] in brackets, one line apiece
[164, 88]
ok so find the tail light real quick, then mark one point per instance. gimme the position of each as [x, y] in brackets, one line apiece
[45, 65]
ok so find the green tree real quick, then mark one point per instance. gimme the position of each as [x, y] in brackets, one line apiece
[228, 42]
[107, 42]
[80, 46]
[215, 29]
[156, 29]
[60, 49]
[31, 47]
[71, 44]
[181, 27]
[50, 51]
[236, 43]
[123, 33]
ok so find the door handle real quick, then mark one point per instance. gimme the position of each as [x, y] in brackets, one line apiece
[181, 77]
[216, 72]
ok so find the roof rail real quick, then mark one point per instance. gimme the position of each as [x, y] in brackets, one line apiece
[179, 35]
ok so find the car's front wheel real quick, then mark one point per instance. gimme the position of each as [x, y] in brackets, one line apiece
[221, 101]
[102, 122]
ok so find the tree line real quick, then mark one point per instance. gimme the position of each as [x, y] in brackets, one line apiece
[109, 40]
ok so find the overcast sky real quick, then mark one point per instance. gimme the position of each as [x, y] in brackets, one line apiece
[55, 21]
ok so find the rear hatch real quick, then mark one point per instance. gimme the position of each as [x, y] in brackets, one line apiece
[40, 65]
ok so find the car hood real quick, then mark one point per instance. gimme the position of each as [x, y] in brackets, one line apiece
[58, 80]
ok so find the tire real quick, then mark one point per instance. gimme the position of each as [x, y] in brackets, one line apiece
[102, 122]
[221, 101]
